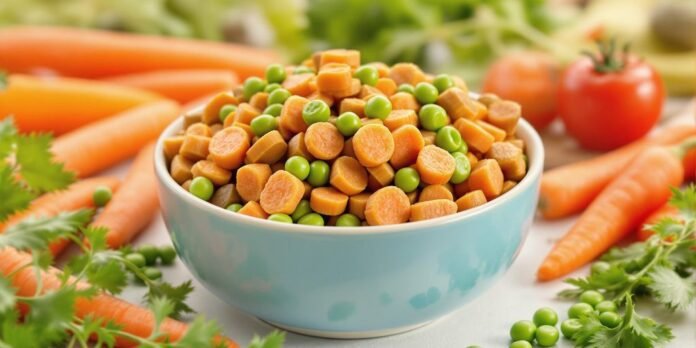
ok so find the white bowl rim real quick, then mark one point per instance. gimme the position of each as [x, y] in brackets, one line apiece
[534, 149]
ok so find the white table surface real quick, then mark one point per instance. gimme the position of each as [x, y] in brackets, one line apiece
[484, 322]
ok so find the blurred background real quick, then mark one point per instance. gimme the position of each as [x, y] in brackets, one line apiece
[457, 36]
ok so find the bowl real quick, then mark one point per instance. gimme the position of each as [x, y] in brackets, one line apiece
[350, 282]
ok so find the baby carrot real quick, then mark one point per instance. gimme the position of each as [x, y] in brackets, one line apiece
[132, 319]
[94, 54]
[180, 85]
[133, 206]
[76, 196]
[569, 189]
[103, 144]
[60, 105]
[617, 210]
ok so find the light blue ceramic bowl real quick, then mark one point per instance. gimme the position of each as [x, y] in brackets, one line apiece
[350, 282]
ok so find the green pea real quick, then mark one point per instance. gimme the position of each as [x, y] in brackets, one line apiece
[284, 218]
[152, 273]
[263, 124]
[297, 166]
[271, 87]
[610, 319]
[316, 111]
[606, 306]
[599, 267]
[546, 336]
[378, 107]
[302, 209]
[235, 207]
[312, 219]
[426, 93]
[448, 138]
[302, 70]
[279, 96]
[570, 327]
[150, 253]
[318, 173]
[136, 259]
[591, 297]
[167, 254]
[579, 310]
[464, 148]
[348, 123]
[201, 187]
[545, 316]
[520, 344]
[432, 117]
[252, 85]
[348, 220]
[101, 196]
[462, 168]
[273, 110]
[406, 87]
[368, 75]
[442, 82]
[523, 330]
[275, 73]
[226, 110]
[407, 179]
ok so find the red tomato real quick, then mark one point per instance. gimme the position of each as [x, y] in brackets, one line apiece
[603, 111]
[529, 78]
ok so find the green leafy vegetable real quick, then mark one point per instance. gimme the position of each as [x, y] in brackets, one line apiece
[274, 339]
[36, 166]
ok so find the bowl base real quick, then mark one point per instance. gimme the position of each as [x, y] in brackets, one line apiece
[348, 334]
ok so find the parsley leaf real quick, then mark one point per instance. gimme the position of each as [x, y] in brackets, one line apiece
[199, 334]
[36, 164]
[8, 135]
[14, 196]
[54, 309]
[670, 289]
[36, 233]
[7, 296]
[176, 294]
[274, 339]
[108, 276]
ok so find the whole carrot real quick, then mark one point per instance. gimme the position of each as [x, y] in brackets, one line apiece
[96, 54]
[180, 85]
[666, 210]
[103, 144]
[130, 318]
[643, 186]
[76, 196]
[569, 189]
[135, 203]
[59, 105]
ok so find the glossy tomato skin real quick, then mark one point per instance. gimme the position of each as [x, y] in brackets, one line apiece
[530, 79]
[603, 111]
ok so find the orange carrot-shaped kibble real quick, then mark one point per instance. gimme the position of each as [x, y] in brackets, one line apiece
[95, 54]
[59, 105]
[103, 144]
[571, 188]
[76, 196]
[642, 187]
[181, 85]
[133, 206]
[129, 318]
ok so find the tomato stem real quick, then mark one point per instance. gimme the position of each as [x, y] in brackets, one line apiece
[608, 60]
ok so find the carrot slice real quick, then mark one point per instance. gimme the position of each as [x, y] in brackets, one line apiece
[218, 176]
[510, 159]
[57, 105]
[341, 56]
[291, 114]
[94, 53]
[259, 101]
[297, 147]
[334, 79]
[253, 209]
[195, 147]
[300, 84]
[270, 148]
[386, 85]
[225, 195]
[504, 115]
[324, 141]
[508, 185]
[251, 179]
[474, 135]
[373, 145]
[103, 144]
[617, 211]
[134, 205]
[328, 201]
[404, 101]
[199, 129]
[180, 169]
[458, 105]
[497, 133]
[180, 85]
[431, 209]
[433, 192]
[471, 200]
[245, 113]
[211, 112]
[171, 146]
[406, 73]
[355, 105]
[487, 177]
[388, 205]
[398, 118]
[408, 143]
[282, 193]
[228, 147]
[435, 165]
[348, 176]
[356, 204]
[382, 174]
